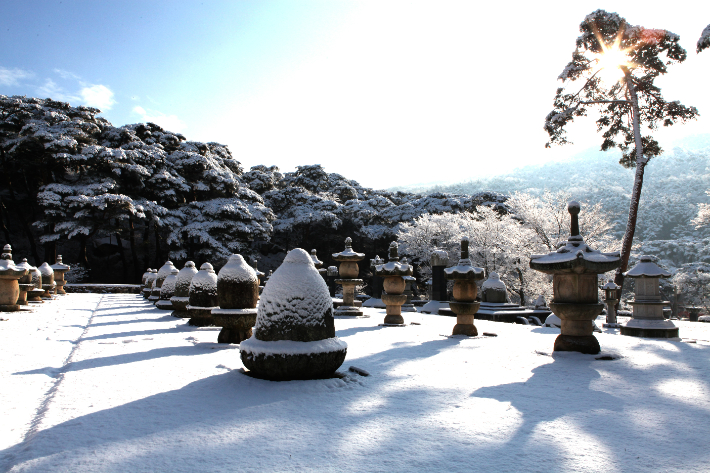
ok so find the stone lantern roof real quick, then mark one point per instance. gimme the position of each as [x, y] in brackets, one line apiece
[575, 256]
[59, 266]
[393, 267]
[646, 268]
[348, 254]
[464, 269]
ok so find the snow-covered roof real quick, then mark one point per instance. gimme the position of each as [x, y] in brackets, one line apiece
[646, 268]
[575, 254]
[348, 254]
[59, 266]
[46, 269]
[393, 267]
[464, 269]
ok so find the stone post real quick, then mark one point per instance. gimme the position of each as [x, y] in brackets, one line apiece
[60, 269]
[9, 285]
[612, 294]
[439, 260]
[464, 304]
[332, 276]
[349, 272]
[574, 268]
[647, 319]
[376, 280]
[392, 272]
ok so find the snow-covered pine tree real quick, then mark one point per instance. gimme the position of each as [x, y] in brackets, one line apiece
[628, 101]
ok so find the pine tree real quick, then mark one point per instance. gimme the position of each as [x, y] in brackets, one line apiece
[625, 101]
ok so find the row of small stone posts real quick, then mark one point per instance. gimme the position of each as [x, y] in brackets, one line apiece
[22, 284]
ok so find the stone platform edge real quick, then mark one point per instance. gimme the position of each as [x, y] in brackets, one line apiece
[103, 288]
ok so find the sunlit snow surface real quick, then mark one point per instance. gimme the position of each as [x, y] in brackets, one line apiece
[94, 383]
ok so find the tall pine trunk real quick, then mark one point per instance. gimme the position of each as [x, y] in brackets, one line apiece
[638, 183]
[124, 263]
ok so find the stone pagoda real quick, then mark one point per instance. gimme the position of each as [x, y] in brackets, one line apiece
[48, 284]
[60, 269]
[167, 291]
[9, 285]
[348, 272]
[237, 295]
[393, 273]
[464, 305]
[203, 297]
[647, 319]
[163, 273]
[574, 268]
[149, 280]
[25, 281]
[35, 295]
[294, 336]
[181, 297]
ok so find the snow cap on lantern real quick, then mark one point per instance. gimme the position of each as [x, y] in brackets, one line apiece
[163, 273]
[48, 283]
[294, 336]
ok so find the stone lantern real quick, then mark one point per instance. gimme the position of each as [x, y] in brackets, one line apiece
[348, 271]
[35, 295]
[9, 285]
[408, 306]
[294, 336]
[237, 295]
[25, 282]
[149, 280]
[493, 290]
[647, 319]
[574, 268]
[167, 291]
[203, 297]
[259, 274]
[145, 275]
[318, 264]
[163, 273]
[332, 276]
[181, 297]
[392, 272]
[612, 295]
[48, 283]
[464, 304]
[60, 269]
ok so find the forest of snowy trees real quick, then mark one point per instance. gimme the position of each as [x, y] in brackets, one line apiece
[115, 200]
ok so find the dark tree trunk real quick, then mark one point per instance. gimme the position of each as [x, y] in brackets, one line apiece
[158, 256]
[124, 263]
[81, 258]
[5, 217]
[146, 246]
[50, 252]
[134, 252]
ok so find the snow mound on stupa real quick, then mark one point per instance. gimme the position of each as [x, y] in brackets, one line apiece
[237, 270]
[296, 294]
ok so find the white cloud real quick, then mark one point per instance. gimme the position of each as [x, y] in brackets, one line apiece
[169, 122]
[52, 90]
[98, 96]
[67, 75]
[13, 76]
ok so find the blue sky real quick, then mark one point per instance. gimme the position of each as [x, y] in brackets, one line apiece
[384, 92]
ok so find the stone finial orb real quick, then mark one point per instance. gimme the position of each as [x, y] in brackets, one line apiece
[294, 336]
[181, 296]
[203, 296]
[237, 295]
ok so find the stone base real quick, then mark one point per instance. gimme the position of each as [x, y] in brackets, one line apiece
[146, 293]
[348, 310]
[394, 319]
[9, 307]
[233, 335]
[341, 303]
[153, 299]
[164, 304]
[611, 325]
[469, 330]
[583, 344]
[408, 308]
[181, 314]
[289, 367]
[650, 332]
[200, 316]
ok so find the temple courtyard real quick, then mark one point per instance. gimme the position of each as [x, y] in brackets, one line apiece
[103, 383]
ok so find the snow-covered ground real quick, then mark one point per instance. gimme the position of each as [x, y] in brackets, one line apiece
[96, 383]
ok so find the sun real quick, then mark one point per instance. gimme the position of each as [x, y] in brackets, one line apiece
[610, 62]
